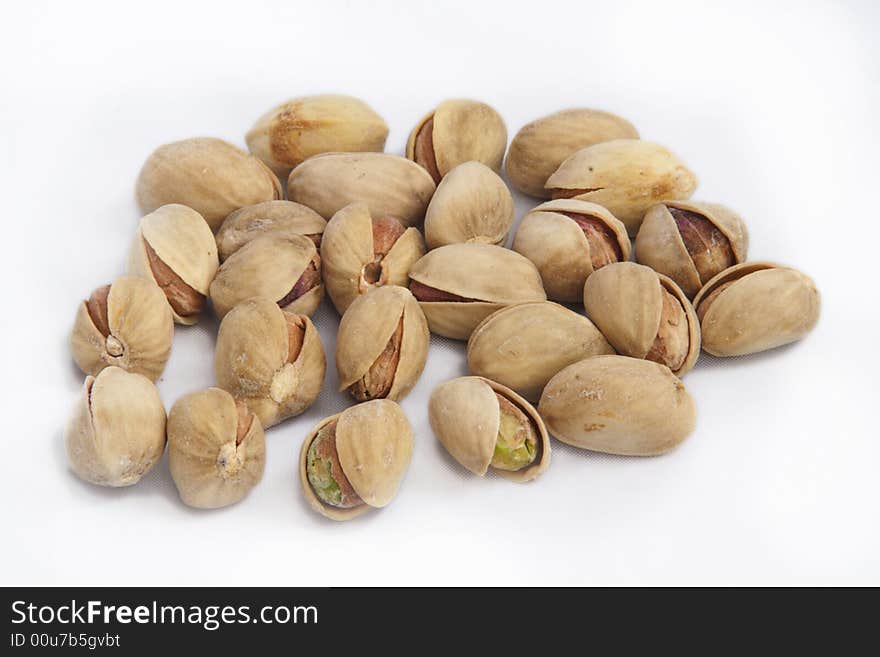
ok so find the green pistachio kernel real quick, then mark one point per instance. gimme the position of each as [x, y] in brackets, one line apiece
[325, 472]
[517, 444]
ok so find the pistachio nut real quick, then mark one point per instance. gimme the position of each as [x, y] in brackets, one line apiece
[568, 240]
[355, 461]
[216, 449]
[482, 423]
[390, 185]
[116, 432]
[458, 131]
[299, 128]
[471, 204]
[286, 270]
[755, 306]
[541, 146]
[459, 285]
[361, 252]
[382, 344]
[644, 314]
[627, 176]
[127, 324]
[618, 405]
[211, 176]
[174, 248]
[277, 217]
[524, 345]
[270, 359]
[691, 242]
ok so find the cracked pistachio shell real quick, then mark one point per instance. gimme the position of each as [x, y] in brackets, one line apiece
[763, 306]
[660, 246]
[374, 441]
[541, 146]
[465, 416]
[625, 301]
[116, 432]
[211, 176]
[390, 185]
[268, 266]
[471, 204]
[141, 330]
[216, 449]
[299, 128]
[348, 249]
[252, 360]
[618, 405]
[277, 217]
[524, 345]
[368, 325]
[560, 249]
[627, 176]
[491, 275]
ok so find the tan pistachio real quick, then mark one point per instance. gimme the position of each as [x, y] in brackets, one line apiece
[277, 217]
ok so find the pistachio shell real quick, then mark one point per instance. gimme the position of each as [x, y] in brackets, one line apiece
[283, 218]
[618, 405]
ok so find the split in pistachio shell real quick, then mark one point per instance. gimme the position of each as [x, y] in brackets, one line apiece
[644, 314]
[755, 306]
[691, 242]
[471, 204]
[175, 248]
[459, 285]
[283, 218]
[211, 176]
[270, 359]
[458, 131]
[355, 461]
[390, 185]
[127, 324]
[382, 344]
[216, 449]
[568, 240]
[284, 269]
[482, 423]
[116, 433]
[522, 346]
[362, 251]
[618, 405]
[627, 176]
[299, 128]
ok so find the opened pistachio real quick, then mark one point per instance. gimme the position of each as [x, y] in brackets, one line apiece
[644, 315]
[216, 449]
[568, 240]
[361, 252]
[618, 405]
[691, 242]
[116, 433]
[627, 176]
[755, 306]
[541, 146]
[459, 285]
[524, 345]
[354, 461]
[211, 176]
[283, 218]
[127, 324]
[270, 359]
[284, 269]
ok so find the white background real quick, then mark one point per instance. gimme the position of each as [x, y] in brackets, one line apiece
[774, 105]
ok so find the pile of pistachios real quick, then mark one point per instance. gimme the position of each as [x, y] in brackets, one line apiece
[405, 247]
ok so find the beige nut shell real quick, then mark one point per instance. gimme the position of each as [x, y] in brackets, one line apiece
[767, 306]
[141, 330]
[374, 441]
[209, 467]
[618, 405]
[559, 248]
[283, 218]
[465, 417]
[523, 346]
